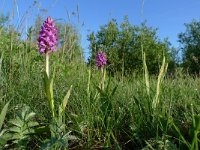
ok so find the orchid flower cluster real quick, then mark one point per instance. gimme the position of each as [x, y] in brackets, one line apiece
[48, 37]
[101, 59]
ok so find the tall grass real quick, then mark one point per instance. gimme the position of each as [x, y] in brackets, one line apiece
[127, 113]
[121, 117]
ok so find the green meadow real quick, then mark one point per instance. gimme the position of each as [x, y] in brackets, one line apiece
[138, 101]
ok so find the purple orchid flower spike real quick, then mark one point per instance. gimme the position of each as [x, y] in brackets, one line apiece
[48, 40]
[48, 37]
[101, 59]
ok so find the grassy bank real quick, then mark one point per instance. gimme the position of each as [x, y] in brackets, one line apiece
[120, 117]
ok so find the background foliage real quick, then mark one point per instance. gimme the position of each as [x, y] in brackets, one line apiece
[125, 44]
[190, 45]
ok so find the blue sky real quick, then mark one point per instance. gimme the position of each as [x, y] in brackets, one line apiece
[168, 16]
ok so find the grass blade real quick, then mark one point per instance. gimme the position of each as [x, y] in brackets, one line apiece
[65, 100]
[146, 74]
[3, 114]
[163, 69]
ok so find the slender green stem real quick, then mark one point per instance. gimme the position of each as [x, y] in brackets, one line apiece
[103, 73]
[50, 86]
[47, 64]
[88, 85]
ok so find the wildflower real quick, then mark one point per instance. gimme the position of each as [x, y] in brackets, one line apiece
[101, 59]
[48, 37]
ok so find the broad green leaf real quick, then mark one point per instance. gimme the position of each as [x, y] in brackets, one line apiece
[4, 138]
[17, 122]
[24, 111]
[32, 124]
[15, 129]
[29, 116]
[3, 114]
[49, 92]
[65, 100]
[28, 131]
[47, 84]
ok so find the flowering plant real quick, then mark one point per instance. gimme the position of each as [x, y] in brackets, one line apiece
[48, 37]
[101, 60]
[47, 43]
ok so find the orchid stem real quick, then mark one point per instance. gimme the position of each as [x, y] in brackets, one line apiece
[47, 64]
[103, 78]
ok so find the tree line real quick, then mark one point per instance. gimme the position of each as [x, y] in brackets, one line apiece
[124, 45]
